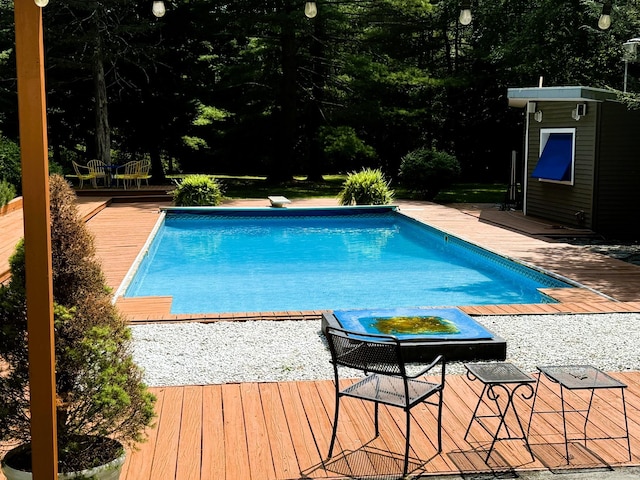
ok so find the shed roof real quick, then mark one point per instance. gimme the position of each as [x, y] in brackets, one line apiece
[518, 97]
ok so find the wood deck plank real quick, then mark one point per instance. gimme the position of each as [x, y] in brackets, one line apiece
[214, 450]
[259, 451]
[237, 460]
[190, 445]
[302, 435]
[165, 456]
[284, 459]
[138, 463]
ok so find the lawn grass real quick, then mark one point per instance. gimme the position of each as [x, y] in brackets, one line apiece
[257, 187]
[251, 186]
[473, 193]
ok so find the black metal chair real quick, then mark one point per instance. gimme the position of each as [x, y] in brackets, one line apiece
[386, 380]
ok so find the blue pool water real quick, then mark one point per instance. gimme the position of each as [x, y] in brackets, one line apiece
[253, 260]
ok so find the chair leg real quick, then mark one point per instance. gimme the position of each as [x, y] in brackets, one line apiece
[406, 447]
[440, 422]
[375, 419]
[335, 427]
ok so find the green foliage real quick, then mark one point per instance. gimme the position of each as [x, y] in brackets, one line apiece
[427, 171]
[344, 149]
[7, 192]
[100, 392]
[366, 187]
[197, 190]
[10, 168]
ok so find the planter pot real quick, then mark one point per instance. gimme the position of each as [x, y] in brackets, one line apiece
[108, 471]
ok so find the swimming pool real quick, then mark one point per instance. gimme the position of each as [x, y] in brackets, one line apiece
[222, 260]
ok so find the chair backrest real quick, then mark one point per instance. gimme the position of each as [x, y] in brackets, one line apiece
[366, 352]
[96, 166]
[144, 167]
[132, 167]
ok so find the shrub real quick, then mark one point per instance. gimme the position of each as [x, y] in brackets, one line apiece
[10, 167]
[344, 149]
[198, 190]
[427, 171]
[7, 192]
[366, 187]
[100, 392]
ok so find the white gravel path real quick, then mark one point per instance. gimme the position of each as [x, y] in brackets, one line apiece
[277, 351]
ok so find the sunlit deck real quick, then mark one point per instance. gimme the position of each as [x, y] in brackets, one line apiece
[281, 431]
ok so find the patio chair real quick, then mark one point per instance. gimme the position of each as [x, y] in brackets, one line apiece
[83, 173]
[143, 172]
[127, 173]
[386, 379]
[98, 168]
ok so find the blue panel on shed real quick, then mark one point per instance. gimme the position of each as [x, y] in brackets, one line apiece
[556, 158]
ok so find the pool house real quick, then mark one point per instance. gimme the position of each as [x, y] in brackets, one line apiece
[580, 158]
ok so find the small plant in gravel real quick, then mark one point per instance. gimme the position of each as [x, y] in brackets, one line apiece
[198, 190]
[366, 187]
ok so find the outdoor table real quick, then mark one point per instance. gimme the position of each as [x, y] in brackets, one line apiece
[497, 378]
[110, 171]
[580, 377]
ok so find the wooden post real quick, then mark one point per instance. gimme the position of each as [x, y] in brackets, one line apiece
[37, 234]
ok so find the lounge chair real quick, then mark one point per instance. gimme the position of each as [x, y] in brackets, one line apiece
[127, 173]
[98, 168]
[386, 379]
[143, 172]
[83, 173]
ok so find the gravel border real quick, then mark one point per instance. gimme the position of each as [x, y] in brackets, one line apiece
[279, 351]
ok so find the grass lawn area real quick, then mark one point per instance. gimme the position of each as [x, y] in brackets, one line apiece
[257, 187]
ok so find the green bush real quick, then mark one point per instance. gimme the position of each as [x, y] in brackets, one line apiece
[343, 148]
[427, 171]
[100, 392]
[198, 190]
[366, 187]
[10, 167]
[7, 192]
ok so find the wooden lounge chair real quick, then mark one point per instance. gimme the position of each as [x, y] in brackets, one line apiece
[386, 379]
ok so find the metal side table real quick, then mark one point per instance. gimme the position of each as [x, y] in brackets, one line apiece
[581, 377]
[499, 378]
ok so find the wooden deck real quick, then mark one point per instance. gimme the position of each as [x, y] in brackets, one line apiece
[281, 431]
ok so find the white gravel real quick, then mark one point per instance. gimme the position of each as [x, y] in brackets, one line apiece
[276, 351]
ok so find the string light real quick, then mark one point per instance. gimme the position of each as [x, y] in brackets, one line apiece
[158, 8]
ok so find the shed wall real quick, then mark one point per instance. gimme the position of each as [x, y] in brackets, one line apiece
[560, 202]
[617, 192]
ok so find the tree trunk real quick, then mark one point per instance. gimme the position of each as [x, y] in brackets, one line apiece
[315, 116]
[282, 164]
[157, 173]
[103, 132]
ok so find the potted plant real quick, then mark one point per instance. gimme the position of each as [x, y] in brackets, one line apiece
[102, 403]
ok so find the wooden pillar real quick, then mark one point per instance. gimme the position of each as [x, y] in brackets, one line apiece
[37, 233]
